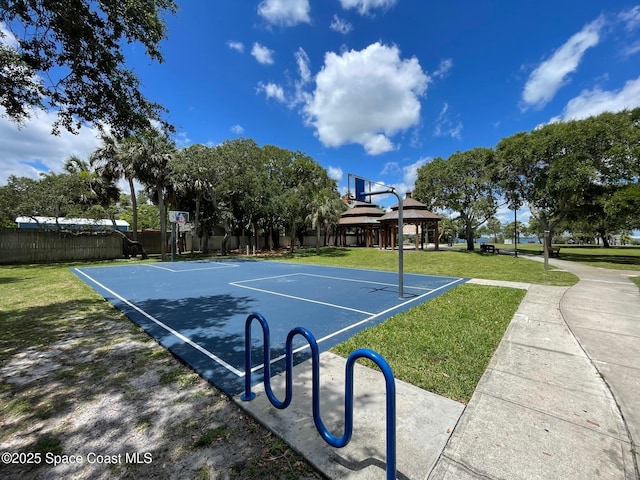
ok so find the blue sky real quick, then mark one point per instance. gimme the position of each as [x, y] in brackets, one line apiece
[372, 87]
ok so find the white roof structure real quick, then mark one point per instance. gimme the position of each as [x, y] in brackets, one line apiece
[104, 222]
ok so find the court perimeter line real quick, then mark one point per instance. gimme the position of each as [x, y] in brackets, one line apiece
[236, 284]
[389, 310]
[192, 269]
[373, 316]
[206, 352]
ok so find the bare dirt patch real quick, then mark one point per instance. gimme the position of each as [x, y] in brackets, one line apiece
[106, 401]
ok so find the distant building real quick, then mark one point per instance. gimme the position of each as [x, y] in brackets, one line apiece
[50, 223]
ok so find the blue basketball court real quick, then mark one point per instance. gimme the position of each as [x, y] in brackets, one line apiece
[198, 309]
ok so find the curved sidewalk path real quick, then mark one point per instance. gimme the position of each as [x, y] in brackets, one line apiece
[561, 396]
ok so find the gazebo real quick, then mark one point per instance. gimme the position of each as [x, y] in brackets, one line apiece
[360, 215]
[413, 213]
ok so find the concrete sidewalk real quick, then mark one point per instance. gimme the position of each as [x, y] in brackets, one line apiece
[558, 400]
[424, 422]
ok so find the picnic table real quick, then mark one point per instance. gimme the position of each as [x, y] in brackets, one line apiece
[487, 247]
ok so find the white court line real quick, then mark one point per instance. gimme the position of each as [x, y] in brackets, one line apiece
[236, 284]
[234, 370]
[389, 310]
[365, 281]
[368, 319]
[213, 357]
[193, 269]
[269, 278]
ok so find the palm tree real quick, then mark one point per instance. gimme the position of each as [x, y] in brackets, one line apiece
[114, 160]
[92, 188]
[190, 172]
[326, 207]
[151, 152]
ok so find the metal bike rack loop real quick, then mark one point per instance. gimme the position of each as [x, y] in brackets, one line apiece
[337, 442]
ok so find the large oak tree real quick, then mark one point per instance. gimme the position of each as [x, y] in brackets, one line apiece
[463, 183]
[68, 56]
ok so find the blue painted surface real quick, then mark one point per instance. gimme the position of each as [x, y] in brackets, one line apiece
[198, 309]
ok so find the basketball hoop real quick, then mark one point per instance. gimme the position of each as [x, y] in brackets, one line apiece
[179, 218]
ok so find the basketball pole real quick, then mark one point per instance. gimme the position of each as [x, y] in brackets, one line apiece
[173, 241]
[400, 237]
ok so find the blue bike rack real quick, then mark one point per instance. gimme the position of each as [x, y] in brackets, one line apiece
[337, 442]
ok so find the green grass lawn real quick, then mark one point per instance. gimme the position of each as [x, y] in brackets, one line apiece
[448, 263]
[49, 314]
[445, 344]
[442, 345]
[39, 304]
[620, 258]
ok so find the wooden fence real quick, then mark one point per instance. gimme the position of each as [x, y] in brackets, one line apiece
[37, 246]
[19, 245]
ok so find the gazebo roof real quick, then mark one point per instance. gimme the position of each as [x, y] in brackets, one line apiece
[412, 211]
[363, 209]
[361, 213]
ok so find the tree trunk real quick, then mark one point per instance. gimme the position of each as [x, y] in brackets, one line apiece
[163, 222]
[256, 235]
[196, 225]
[225, 239]
[470, 239]
[292, 238]
[134, 208]
[267, 239]
[204, 245]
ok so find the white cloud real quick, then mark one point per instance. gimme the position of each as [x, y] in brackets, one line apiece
[336, 173]
[301, 95]
[340, 25]
[7, 37]
[390, 168]
[445, 66]
[446, 126]
[272, 90]
[262, 54]
[365, 97]
[551, 75]
[34, 144]
[237, 46]
[596, 101]
[376, 144]
[408, 174]
[286, 13]
[505, 215]
[237, 129]
[631, 49]
[182, 139]
[302, 59]
[630, 18]
[365, 6]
